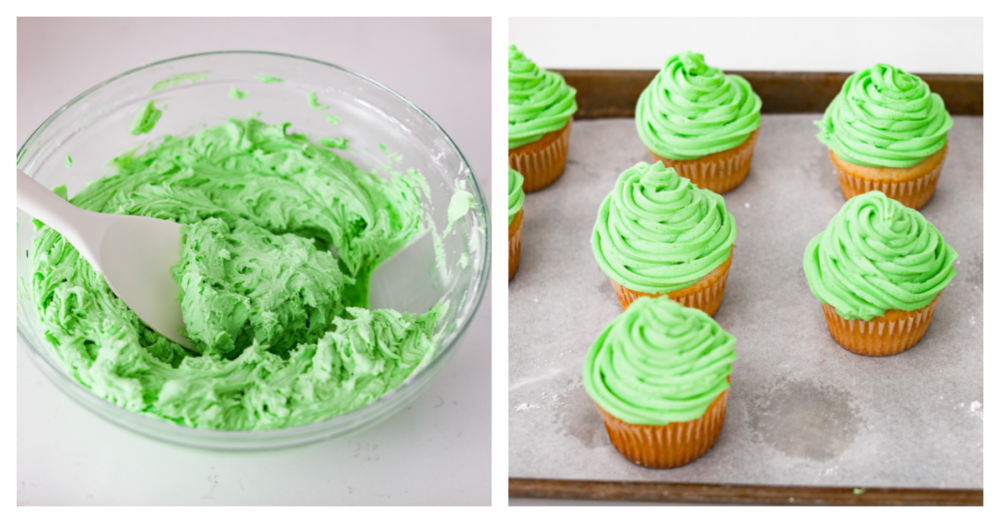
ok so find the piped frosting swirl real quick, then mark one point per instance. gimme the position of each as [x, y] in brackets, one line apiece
[691, 110]
[538, 101]
[884, 117]
[656, 232]
[515, 193]
[658, 363]
[877, 255]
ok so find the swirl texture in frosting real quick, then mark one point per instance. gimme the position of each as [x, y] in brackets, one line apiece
[884, 117]
[658, 363]
[656, 232]
[691, 110]
[515, 193]
[538, 101]
[877, 255]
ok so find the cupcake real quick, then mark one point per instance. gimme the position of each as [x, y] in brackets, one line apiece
[887, 132]
[656, 234]
[540, 107]
[515, 216]
[699, 121]
[878, 270]
[659, 375]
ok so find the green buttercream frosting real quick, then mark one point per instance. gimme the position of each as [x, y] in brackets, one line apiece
[145, 120]
[691, 110]
[884, 117]
[180, 79]
[877, 255]
[459, 205]
[538, 101]
[515, 194]
[313, 100]
[243, 283]
[333, 143]
[265, 79]
[657, 232]
[658, 363]
[281, 330]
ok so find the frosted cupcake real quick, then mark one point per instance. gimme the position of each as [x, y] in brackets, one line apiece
[887, 132]
[659, 375]
[656, 233]
[878, 269]
[515, 217]
[540, 107]
[699, 121]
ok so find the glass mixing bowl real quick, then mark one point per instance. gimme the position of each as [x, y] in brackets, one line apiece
[383, 129]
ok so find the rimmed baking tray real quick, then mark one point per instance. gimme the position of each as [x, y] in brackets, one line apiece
[807, 421]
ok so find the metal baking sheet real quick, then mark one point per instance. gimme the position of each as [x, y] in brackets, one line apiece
[802, 410]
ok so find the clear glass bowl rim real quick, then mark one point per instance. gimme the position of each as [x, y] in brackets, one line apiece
[276, 438]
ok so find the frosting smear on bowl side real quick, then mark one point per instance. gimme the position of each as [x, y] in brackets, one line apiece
[281, 330]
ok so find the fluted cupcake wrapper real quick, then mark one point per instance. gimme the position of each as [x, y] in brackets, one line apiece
[541, 162]
[705, 295]
[886, 335]
[514, 244]
[667, 446]
[720, 172]
[913, 188]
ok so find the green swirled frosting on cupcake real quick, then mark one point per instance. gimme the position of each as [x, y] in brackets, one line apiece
[658, 363]
[538, 101]
[515, 193]
[877, 255]
[884, 117]
[691, 110]
[657, 232]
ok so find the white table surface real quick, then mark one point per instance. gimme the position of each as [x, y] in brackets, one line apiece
[437, 451]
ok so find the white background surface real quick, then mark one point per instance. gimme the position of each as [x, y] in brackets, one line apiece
[437, 451]
[919, 45]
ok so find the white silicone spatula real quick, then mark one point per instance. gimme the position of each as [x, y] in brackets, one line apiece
[133, 253]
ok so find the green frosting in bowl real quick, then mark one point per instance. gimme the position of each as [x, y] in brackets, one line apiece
[691, 110]
[657, 232]
[281, 330]
[877, 255]
[538, 101]
[243, 283]
[515, 193]
[145, 120]
[658, 363]
[884, 117]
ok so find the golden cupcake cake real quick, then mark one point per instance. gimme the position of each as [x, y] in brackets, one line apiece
[878, 271]
[540, 108]
[515, 220]
[887, 132]
[659, 375]
[658, 234]
[700, 121]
